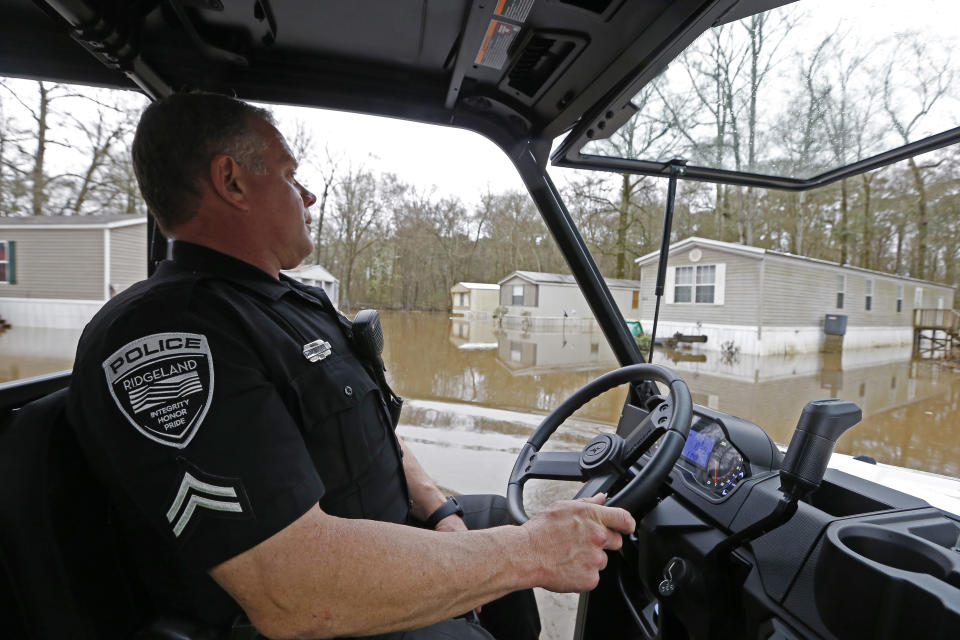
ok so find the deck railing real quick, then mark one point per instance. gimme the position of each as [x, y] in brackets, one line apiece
[945, 319]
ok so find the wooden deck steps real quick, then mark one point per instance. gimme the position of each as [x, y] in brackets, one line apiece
[935, 332]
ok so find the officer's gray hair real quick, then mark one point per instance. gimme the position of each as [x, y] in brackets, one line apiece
[177, 138]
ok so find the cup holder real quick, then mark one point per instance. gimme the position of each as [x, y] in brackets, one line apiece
[899, 551]
[864, 568]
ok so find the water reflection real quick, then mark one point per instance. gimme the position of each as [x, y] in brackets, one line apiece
[468, 366]
[31, 351]
[426, 360]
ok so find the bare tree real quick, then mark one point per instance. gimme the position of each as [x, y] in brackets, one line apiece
[848, 111]
[639, 137]
[113, 123]
[927, 82]
[322, 171]
[357, 212]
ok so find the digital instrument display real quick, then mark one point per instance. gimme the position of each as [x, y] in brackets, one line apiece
[698, 448]
[715, 464]
[711, 461]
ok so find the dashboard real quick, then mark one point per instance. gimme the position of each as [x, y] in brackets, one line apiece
[714, 463]
[721, 453]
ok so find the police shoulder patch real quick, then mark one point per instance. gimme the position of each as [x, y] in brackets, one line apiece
[163, 384]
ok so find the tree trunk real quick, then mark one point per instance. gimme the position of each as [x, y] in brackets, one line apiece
[865, 248]
[922, 222]
[718, 213]
[623, 220]
[801, 214]
[900, 231]
[843, 222]
[37, 181]
[321, 209]
[751, 214]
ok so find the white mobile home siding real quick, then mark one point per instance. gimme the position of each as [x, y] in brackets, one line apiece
[542, 299]
[484, 299]
[475, 299]
[741, 304]
[64, 264]
[791, 286]
[777, 303]
[795, 294]
[551, 300]
[128, 256]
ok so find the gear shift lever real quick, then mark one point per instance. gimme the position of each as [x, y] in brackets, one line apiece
[821, 424]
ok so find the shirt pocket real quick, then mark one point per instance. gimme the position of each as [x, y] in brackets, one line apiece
[342, 419]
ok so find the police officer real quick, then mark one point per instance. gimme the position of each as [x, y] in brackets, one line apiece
[248, 450]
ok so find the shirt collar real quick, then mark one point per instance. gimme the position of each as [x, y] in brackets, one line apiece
[199, 259]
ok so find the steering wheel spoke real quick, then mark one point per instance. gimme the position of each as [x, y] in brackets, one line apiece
[553, 465]
[645, 434]
[598, 484]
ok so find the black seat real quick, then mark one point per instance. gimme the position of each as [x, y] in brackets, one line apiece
[61, 572]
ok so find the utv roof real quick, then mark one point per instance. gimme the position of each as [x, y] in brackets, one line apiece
[521, 72]
[510, 69]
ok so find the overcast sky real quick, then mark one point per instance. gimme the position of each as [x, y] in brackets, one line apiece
[454, 161]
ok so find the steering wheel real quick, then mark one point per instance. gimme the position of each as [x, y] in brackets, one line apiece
[608, 458]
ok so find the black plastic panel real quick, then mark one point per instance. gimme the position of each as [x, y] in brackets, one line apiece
[900, 565]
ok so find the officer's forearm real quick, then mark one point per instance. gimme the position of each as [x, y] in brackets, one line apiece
[424, 492]
[328, 577]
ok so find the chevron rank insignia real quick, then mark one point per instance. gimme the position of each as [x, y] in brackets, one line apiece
[162, 385]
[198, 491]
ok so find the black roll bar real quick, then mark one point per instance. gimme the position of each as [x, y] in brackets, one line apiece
[575, 160]
[584, 269]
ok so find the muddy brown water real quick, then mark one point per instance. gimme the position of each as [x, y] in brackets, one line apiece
[475, 392]
[468, 377]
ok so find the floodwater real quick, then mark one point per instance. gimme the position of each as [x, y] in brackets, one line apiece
[474, 393]
[31, 351]
[486, 388]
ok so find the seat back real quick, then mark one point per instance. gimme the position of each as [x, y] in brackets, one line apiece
[59, 557]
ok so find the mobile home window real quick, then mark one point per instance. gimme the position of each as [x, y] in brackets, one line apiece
[695, 284]
[4, 262]
[899, 298]
[463, 300]
[683, 288]
[869, 298]
[706, 279]
[841, 287]
[517, 295]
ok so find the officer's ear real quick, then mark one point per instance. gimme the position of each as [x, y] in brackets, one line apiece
[226, 176]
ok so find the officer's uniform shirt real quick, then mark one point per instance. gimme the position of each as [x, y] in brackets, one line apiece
[219, 405]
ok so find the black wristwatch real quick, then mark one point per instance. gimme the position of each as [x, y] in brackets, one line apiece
[448, 508]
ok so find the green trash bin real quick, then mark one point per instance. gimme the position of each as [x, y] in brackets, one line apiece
[636, 329]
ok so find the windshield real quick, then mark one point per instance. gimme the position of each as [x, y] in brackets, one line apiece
[800, 90]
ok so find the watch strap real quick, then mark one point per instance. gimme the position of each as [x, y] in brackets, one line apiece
[448, 508]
